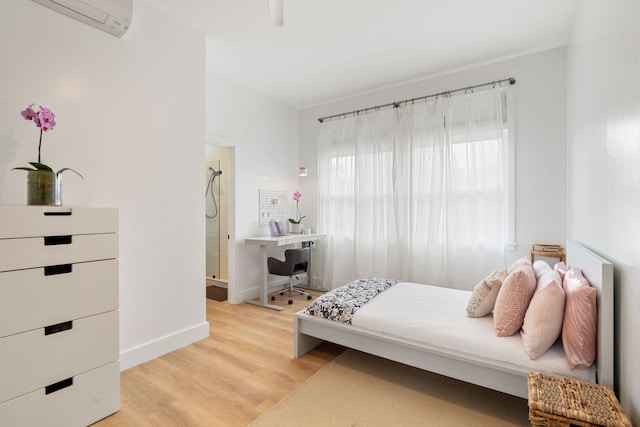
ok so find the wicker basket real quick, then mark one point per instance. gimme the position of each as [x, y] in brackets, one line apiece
[563, 402]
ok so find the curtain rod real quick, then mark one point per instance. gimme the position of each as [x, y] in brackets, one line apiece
[396, 104]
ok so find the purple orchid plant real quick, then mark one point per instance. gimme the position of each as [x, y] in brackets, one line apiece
[45, 120]
[296, 196]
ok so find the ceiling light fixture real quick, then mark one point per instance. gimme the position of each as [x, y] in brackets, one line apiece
[275, 10]
[302, 171]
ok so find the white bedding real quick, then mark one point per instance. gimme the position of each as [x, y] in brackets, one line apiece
[401, 309]
[505, 376]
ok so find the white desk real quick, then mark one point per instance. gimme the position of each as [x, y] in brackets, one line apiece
[266, 241]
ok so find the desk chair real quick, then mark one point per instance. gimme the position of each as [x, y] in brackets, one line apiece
[295, 262]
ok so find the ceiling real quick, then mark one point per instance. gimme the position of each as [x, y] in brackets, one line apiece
[329, 49]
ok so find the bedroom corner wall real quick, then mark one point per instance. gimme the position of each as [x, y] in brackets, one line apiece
[130, 118]
[603, 124]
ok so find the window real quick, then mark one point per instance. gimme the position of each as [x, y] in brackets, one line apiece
[411, 192]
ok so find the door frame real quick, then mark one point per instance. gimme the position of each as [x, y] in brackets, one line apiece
[229, 144]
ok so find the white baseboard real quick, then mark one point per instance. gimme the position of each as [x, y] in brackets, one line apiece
[245, 295]
[150, 350]
[253, 293]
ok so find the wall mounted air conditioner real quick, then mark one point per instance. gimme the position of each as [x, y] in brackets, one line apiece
[112, 16]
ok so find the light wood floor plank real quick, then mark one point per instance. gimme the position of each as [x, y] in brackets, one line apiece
[241, 370]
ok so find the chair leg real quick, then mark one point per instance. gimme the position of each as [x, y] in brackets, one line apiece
[297, 290]
[291, 290]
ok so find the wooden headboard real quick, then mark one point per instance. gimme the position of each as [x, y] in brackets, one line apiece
[599, 272]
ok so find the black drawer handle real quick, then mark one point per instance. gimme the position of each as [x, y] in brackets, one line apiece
[57, 213]
[57, 240]
[58, 386]
[52, 270]
[59, 327]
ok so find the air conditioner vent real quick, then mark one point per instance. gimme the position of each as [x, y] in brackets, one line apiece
[111, 16]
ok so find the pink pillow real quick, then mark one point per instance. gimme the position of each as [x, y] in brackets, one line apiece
[561, 268]
[513, 300]
[543, 321]
[580, 320]
[518, 263]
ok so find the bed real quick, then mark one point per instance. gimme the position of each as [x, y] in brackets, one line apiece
[468, 362]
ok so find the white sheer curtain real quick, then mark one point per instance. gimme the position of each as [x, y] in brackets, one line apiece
[416, 193]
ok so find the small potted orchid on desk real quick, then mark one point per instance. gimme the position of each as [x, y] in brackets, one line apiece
[296, 224]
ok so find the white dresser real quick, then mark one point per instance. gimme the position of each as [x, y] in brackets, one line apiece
[59, 346]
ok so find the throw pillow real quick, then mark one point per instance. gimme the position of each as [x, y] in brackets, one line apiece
[513, 299]
[518, 263]
[580, 320]
[543, 320]
[561, 268]
[485, 293]
[539, 267]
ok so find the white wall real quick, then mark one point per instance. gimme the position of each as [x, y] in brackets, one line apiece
[540, 132]
[264, 134]
[604, 164]
[130, 116]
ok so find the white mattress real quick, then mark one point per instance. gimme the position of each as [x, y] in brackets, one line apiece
[437, 316]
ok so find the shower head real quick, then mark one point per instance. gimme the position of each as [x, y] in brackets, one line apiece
[215, 172]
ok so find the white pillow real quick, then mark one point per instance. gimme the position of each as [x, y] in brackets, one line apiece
[540, 267]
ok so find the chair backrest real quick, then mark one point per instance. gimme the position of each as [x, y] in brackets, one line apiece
[295, 261]
[297, 256]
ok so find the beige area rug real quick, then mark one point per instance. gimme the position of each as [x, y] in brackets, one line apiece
[358, 389]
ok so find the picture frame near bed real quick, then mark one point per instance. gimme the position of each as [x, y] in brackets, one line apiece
[465, 361]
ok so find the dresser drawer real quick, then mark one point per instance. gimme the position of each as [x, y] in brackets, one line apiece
[32, 360]
[37, 297]
[32, 252]
[34, 221]
[87, 398]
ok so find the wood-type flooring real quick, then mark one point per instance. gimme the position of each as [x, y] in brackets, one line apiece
[241, 370]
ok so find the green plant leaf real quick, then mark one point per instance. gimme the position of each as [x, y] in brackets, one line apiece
[40, 166]
[23, 168]
[293, 221]
[69, 169]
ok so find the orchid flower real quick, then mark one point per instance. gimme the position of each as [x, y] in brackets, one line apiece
[44, 119]
[296, 196]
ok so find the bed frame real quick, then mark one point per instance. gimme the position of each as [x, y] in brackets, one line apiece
[310, 331]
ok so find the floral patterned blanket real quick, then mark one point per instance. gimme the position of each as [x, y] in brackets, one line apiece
[341, 304]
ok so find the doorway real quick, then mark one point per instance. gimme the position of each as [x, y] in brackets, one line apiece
[217, 178]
